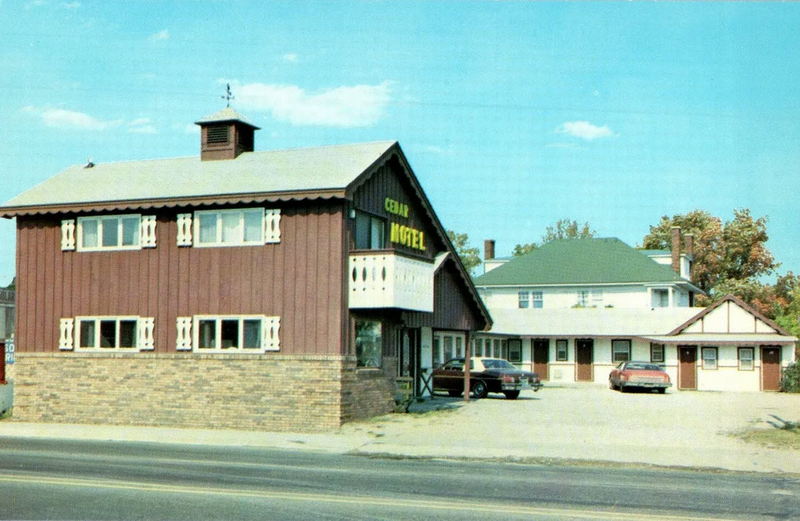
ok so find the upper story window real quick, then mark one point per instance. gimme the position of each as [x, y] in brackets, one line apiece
[531, 299]
[523, 299]
[239, 227]
[587, 298]
[660, 298]
[106, 333]
[228, 333]
[117, 232]
[370, 232]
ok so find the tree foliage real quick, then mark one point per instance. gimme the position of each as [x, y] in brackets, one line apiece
[470, 256]
[734, 250]
[561, 229]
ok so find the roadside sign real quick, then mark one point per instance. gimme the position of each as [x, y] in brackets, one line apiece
[9, 352]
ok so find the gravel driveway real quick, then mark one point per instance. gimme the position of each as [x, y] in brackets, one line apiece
[688, 429]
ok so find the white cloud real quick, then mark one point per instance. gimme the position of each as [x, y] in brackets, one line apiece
[70, 119]
[348, 106]
[290, 57]
[142, 126]
[159, 36]
[584, 130]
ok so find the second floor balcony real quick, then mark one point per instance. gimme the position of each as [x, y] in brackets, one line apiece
[387, 279]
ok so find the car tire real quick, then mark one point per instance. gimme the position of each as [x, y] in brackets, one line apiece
[662, 390]
[512, 395]
[454, 394]
[611, 385]
[479, 389]
[622, 388]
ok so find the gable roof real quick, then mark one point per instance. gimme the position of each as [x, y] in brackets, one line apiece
[580, 261]
[302, 173]
[697, 319]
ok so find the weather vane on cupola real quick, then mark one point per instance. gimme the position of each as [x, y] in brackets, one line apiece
[228, 95]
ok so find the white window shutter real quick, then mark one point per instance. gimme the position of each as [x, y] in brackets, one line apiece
[144, 331]
[184, 340]
[184, 229]
[269, 334]
[272, 226]
[147, 231]
[66, 340]
[68, 234]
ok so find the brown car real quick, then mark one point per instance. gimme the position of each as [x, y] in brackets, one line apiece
[487, 375]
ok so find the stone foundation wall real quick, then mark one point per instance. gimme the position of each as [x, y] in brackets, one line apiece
[271, 393]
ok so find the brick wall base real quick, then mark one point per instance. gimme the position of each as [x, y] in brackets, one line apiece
[271, 393]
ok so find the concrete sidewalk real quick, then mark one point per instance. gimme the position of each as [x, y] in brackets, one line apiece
[581, 424]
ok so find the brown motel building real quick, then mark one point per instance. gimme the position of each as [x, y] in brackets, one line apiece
[276, 290]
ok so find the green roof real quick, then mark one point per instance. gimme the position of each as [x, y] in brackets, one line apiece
[580, 261]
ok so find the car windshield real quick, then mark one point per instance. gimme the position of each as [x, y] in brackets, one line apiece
[643, 367]
[495, 363]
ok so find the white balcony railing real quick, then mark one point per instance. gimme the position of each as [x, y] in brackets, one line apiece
[387, 280]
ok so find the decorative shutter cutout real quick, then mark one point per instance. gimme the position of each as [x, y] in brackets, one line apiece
[144, 331]
[272, 226]
[269, 334]
[66, 341]
[184, 340]
[147, 231]
[68, 234]
[184, 229]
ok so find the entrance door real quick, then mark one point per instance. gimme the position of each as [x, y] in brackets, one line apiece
[408, 357]
[541, 357]
[770, 368]
[584, 356]
[687, 368]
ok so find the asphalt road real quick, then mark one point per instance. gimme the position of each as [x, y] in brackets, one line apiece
[55, 479]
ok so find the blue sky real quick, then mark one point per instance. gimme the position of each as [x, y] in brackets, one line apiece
[512, 114]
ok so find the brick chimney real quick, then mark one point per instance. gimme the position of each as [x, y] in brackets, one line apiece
[488, 249]
[688, 244]
[676, 249]
[225, 135]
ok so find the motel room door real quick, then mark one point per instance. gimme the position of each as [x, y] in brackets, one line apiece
[584, 357]
[541, 357]
[770, 368]
[687, 367]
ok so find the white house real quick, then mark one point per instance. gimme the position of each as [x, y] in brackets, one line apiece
[571, 310]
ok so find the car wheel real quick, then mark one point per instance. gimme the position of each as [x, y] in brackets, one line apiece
[479, 389]
[622, 388]
[611, 385]
[662, 390]
[512, 395]
[454, 394]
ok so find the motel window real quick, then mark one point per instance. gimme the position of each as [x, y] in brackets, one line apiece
[523, 300]
[537, 300]
[746, 358]
[107, 333]
[369, 343]
[583, 299]
[459, 347]
[660, 298]
[515, 351]
[115, 232]
[229, 333]
[239, 227]
[657, 353]
[562, 354]
[448, 347]
[620, 350]
[370, 232]
[709, 358]
[478, 347]
[437, 351]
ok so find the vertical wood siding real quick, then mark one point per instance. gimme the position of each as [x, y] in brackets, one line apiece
[299, 279]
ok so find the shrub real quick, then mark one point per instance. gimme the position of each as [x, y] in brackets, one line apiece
[790, 382]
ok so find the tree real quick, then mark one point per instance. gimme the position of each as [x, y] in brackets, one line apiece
[734, 250]
[561, 229]
[470, 257]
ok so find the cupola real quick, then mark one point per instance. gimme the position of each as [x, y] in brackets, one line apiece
[225, 135]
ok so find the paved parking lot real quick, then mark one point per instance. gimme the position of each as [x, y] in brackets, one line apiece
[691, 429]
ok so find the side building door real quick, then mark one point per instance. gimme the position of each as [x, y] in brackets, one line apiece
[687, 367]
[541, 357]
[770, 368]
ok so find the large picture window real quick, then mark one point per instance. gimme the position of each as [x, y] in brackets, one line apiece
[620, 350]
[562, 353]
[657, 353]
[515, 351]
[369, 343]
[746, 358]
[114, 232]
[239, 227]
